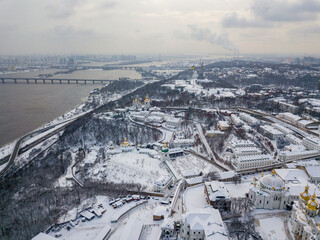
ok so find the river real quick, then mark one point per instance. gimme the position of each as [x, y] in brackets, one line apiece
[24, 107]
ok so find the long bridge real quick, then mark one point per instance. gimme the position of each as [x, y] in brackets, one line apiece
[37, 80]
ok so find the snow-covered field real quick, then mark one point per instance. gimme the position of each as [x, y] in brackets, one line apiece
[190, 161]
[271, 224]
[130, 167]
[195, 198]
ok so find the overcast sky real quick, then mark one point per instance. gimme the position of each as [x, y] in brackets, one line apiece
[159, 26]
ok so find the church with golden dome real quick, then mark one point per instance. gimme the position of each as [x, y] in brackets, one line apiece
[305, 216]
[136, 104]
[270, 192]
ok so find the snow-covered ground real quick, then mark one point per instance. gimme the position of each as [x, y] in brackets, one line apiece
[195, 198]
[88, 230]
[271, 224]
[7, 149]
[40, 135]
[130, 167]
[27, 156]
[191, 162]
[144, 215]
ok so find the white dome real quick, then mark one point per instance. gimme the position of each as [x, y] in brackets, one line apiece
[272, 182]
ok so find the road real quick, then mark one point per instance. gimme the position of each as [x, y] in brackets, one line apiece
[16, 151]
[209, 151]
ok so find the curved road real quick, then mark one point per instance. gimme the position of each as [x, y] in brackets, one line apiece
[16, 149]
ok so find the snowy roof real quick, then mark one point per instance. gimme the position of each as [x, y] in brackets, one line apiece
[239, 143]
[223, 123]
[226, 175]
[88, 215]
[313, 171]
[271, 130]
[43, 236]
[189, 173]
[305, 122]
[168, 223]
[214, 132]
[160, 211]
[183, 141]
[290, 115]
[291, 174]
[297, 152]
[247, 150]
[217, 190]
[209, 220]
[281, 128]
[305, 163]
[173, 120]
[175, 150]
[312, 139]
[258, 157]
[195, 180]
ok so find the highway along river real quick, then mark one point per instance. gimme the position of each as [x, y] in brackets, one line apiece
[24, 107]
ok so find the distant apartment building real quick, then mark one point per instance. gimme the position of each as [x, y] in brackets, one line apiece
[295, 155]
[249, 119]
[288, 107]
[271, 132]
[223, 125]
[312, 143]
[236, 120]
[282, 128]
[290, 117]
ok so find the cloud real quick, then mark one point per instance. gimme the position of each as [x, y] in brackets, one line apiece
[233, 20]
[62, 9]
[71, 31]
[305, 31]
[108, 5]
[266, 13]
[286, 11]
[205, 35]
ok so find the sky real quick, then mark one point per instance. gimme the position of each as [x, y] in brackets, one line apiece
[159, 27]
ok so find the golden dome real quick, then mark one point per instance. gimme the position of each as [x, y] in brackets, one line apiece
[262, 174]
[273, 172]
[147, 99]
[312, 204]
[305, 195]
[125, 143]
[164, 144]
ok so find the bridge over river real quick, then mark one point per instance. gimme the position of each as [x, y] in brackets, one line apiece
[37, 80]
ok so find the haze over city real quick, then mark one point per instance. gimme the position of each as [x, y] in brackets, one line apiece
[159, 27]
[159, 120]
